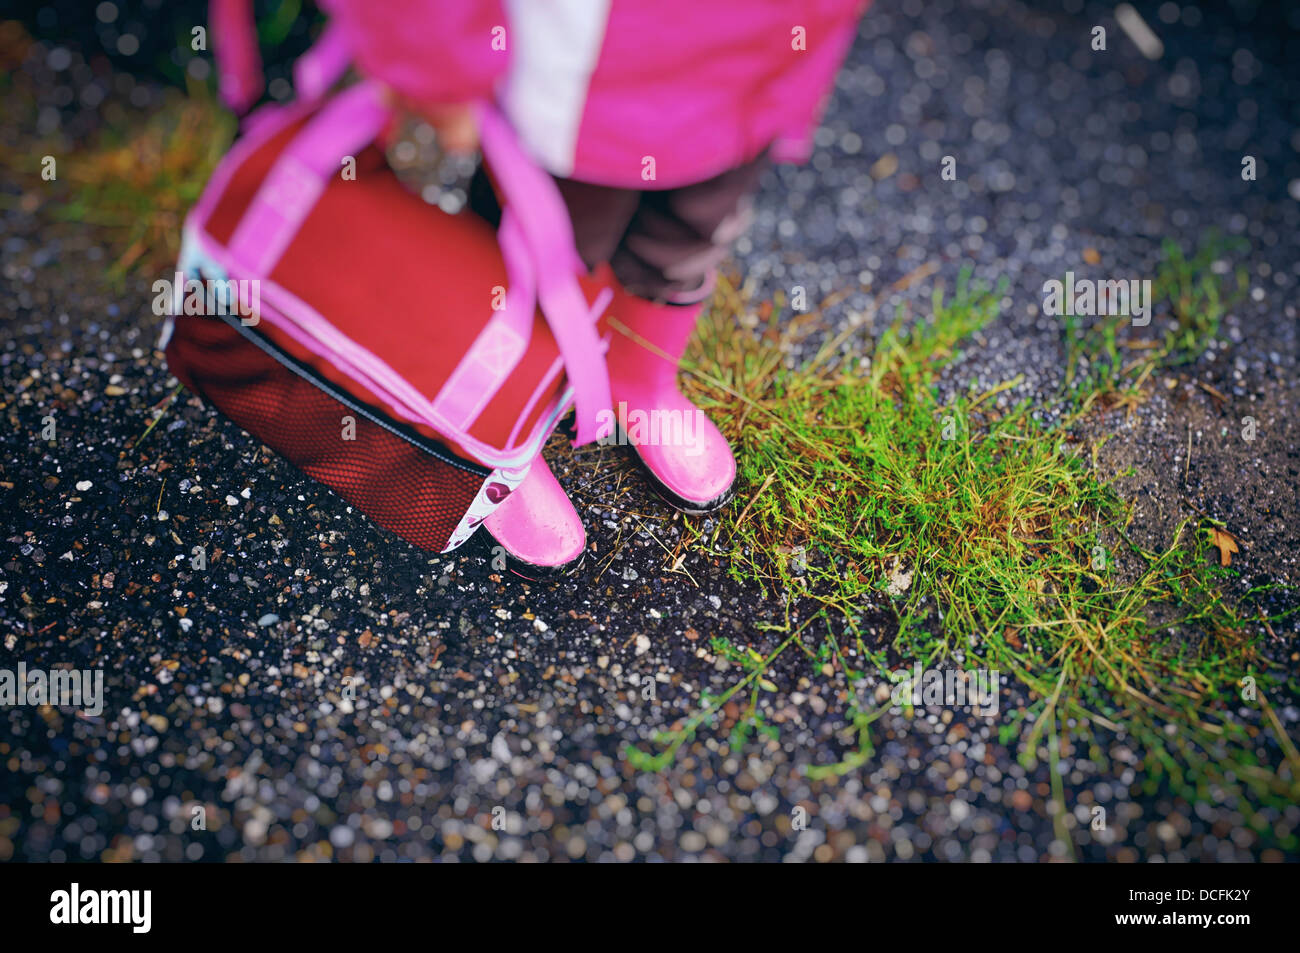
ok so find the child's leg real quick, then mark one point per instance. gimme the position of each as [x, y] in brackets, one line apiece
[666, 263]
[600, 214]
[663, 246]
[678, 237]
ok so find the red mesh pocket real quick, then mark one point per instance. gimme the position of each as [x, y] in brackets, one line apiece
[401, 480]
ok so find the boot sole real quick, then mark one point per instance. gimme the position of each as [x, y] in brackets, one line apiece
[533, 571]
[689, 507]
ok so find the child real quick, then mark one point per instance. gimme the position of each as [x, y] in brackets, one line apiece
[656, 117]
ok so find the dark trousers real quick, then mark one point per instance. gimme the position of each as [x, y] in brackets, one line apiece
[662, 245]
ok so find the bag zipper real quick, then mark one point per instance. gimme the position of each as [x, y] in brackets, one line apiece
[347, 400]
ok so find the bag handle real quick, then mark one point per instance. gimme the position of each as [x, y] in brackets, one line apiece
[534, 204]
[533, 208]
[353, 120]
[234, 45]
[239, 63]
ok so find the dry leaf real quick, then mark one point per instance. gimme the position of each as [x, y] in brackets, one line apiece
[884, 167]
[1226, 542]
[899, 581]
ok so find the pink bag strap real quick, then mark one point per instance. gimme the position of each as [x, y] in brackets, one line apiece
[351, 121]
[239, 64]
[315, 71]
[234, 44]
[343, 127]
[535, 205]
[539, 228]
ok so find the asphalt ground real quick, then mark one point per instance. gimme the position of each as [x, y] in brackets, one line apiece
[480, 695]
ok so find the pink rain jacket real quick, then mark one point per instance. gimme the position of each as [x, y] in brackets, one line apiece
[646, 94]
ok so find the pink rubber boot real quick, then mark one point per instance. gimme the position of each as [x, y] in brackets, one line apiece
[537, 524]
[688, 458]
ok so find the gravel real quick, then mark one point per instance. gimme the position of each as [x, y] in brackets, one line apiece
[322, 690]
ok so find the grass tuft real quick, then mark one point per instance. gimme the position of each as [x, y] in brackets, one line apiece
[136, 179]
[144, 178]
[987, 534]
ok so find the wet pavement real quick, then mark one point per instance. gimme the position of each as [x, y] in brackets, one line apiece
[322, 690]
